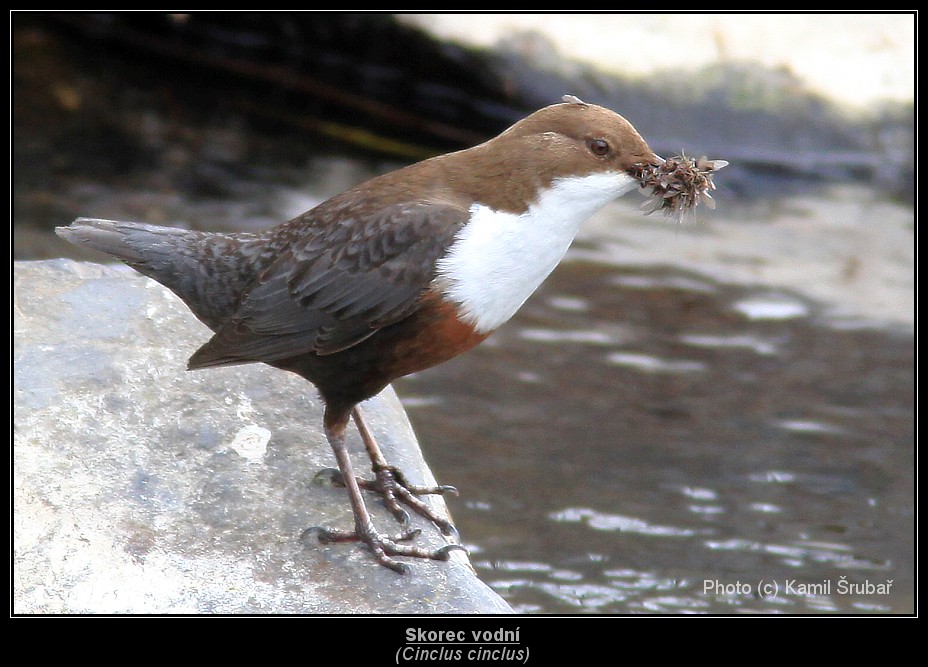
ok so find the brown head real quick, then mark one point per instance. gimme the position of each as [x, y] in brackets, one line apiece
[568, 139]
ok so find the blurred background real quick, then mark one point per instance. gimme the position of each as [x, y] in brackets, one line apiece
[730, 399]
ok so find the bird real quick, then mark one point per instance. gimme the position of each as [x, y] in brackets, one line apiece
[397, 274]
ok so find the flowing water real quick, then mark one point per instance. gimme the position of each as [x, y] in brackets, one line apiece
[716, 417]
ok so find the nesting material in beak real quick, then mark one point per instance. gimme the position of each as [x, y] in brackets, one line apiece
[679, 184]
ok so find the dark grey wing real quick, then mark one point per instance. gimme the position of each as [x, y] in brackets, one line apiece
[336, 284]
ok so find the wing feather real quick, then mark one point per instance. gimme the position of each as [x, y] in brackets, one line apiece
[336, 285]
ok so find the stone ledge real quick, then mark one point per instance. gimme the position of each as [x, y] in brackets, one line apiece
[142, 488]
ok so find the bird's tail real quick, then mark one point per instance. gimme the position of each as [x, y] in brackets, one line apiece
[136, 244]
[175, 258]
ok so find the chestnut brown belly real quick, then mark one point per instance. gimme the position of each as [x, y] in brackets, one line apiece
[430, 336]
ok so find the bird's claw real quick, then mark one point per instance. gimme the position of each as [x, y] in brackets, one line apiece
[383, 547]
[397, 491]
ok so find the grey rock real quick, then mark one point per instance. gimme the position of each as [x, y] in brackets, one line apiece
[142, 488]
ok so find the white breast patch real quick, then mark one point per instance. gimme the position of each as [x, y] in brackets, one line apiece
[498, 259]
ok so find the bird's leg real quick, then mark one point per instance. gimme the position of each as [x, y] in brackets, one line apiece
[391, 483]
[383, 547]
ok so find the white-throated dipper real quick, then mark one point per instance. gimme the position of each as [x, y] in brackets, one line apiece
[396, 275]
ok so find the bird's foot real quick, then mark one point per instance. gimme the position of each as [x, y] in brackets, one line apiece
[383, 547]
[397, 491]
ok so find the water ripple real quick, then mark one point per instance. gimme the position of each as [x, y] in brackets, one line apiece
[652, 364]
[771, 308]
[753, 343]
[617, 522]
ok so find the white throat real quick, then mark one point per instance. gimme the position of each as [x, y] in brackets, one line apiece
[498, 259]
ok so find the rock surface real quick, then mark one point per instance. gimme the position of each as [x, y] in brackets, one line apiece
[142, 488]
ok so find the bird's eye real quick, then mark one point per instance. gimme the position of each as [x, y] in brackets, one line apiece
[599, 147]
